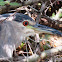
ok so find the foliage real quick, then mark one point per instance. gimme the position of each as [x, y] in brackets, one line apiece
[22, 44]
[60, 15]
[14, 3]
[1, 0]
[2, 3]
[53, 14]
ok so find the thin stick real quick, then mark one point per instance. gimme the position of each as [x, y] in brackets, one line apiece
[8, 17]
[24, 52]
[30, 49]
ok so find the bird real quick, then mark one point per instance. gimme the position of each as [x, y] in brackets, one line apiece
[16, 28]
[19, 17]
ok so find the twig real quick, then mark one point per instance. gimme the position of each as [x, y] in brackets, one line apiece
[24, 52]
[44, 54]
[8, 17]
[50, 6]
[30, 49]
[33, 8]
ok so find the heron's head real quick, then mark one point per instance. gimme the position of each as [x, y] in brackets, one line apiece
[30, 25]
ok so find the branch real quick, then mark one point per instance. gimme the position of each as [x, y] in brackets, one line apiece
[45, 20]
[44, 54]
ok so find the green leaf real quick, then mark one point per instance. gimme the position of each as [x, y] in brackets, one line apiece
[1, 0]
[22, 44]
[53, 14]
[14, 3]
[2, 3]
[60, 15]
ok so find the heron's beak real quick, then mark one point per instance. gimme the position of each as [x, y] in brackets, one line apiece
[44, 29]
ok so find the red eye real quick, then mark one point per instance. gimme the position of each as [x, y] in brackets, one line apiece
[25, 23]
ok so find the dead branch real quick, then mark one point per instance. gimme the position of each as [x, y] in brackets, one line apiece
[45, 20]
[4, 9]
[30, 2]
[8, 17]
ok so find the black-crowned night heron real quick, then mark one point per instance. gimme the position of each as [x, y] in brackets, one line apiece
[12, 33]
